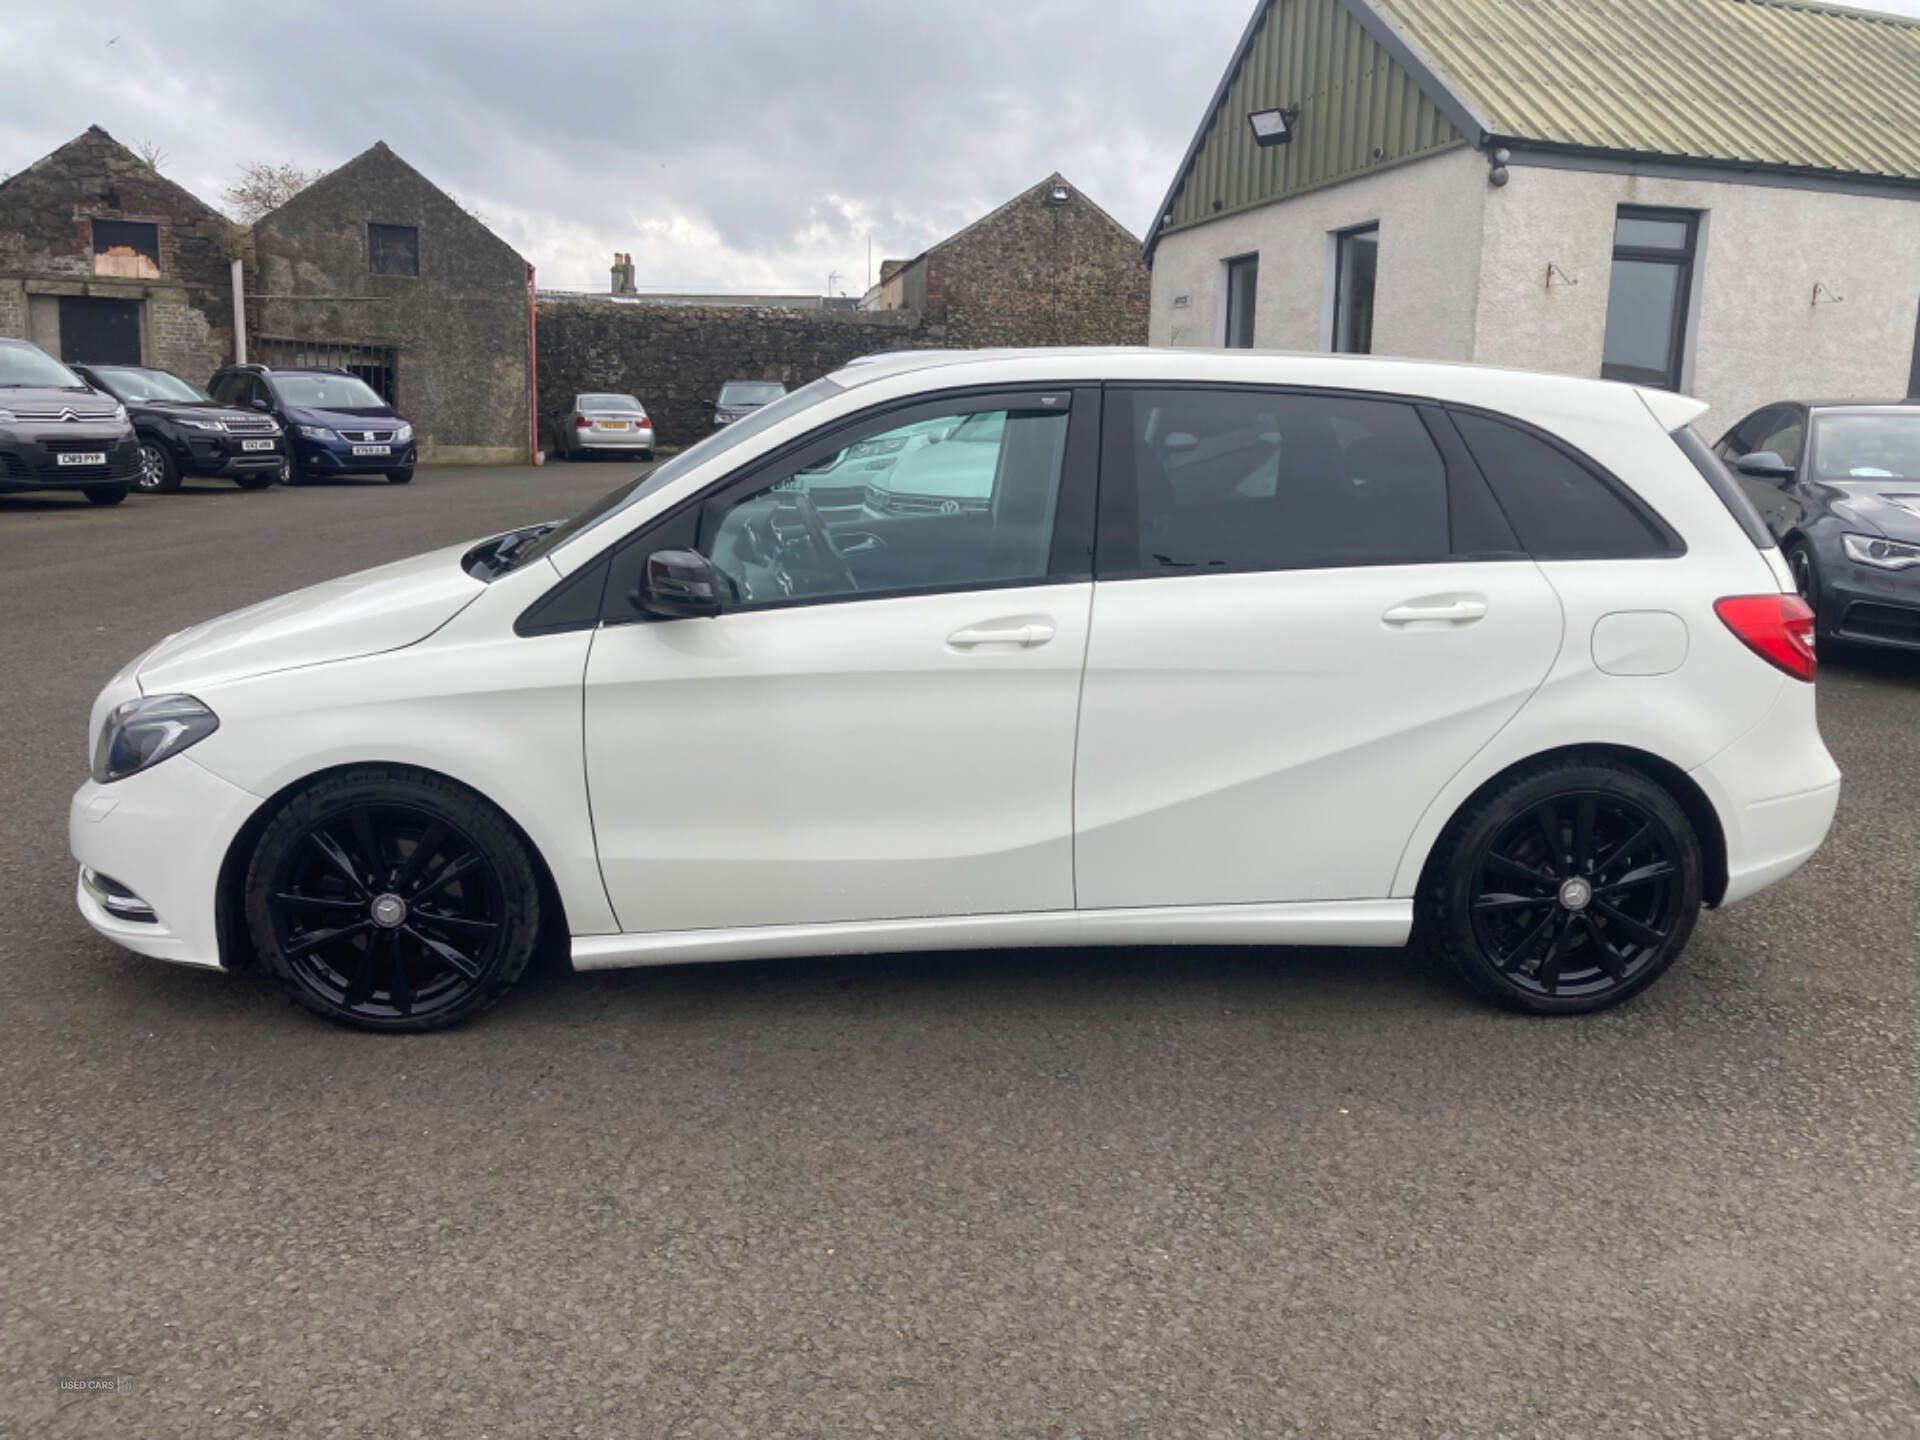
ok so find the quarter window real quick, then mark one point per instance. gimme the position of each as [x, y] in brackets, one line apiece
[1243, 285]
[1647, 299]
[1356, 263]
[1558, 506]
[1230, 480]
[393, 249]
[957, 501]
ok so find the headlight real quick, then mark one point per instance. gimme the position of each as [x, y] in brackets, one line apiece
[403, 434]
[119, 414]
[6, 417]
[143, 732]
[316, 432]
[1882, 554]
[204, 424]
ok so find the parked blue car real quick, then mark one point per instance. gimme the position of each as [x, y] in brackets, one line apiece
[336, 423]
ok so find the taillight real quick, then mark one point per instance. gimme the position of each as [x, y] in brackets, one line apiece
[1777, 628]
[581, 422]
[645, 424]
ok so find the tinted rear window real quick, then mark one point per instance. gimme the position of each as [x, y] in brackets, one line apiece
[1558, 505]
[1724, 485]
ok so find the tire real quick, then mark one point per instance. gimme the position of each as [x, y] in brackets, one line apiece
[257, 479]
[400, 477]
[106, 494]
[159, 472]
[1579, 928]
[357, 932]
[290, 472]
[1806, 579]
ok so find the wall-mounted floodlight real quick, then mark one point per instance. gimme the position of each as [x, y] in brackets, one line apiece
[1274, 127]
[1059, 195]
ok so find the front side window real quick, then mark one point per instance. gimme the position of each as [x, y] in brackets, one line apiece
[959, 501]
[393, 249]
[1648, 296]
[1867, 447]
[1741, 439]
[1356, 262]
[1243, 288]
[1236, 480]
[1786, 437]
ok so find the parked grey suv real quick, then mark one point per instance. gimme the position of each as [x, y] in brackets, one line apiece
[58, 433]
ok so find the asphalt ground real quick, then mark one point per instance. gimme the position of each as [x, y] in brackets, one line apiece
[1148, 1193]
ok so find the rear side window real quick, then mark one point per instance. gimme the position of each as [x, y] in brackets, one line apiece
[1724, 485]
[1559, 506]
[1237, 480]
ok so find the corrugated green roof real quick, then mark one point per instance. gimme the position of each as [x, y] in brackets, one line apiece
[1763, 82]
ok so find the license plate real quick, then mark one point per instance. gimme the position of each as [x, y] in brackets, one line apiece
[83, 457]
[256, 444]
[609, 424]
[373, 450]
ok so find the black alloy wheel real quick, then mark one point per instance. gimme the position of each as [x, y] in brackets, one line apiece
[1569, 889]
[158, 472]
[1806, 579]
[391, 899]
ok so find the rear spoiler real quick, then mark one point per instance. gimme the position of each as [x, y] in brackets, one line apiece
[1671, 410]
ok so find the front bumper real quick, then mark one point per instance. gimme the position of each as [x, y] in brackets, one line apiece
[1865, 606]
[222, 455]
[329, 457]
[162, 836]
[29, 459]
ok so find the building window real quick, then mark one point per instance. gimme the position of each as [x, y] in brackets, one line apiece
[1648, 297]
[393, 249]
[1356, 257]
[1243, 283]
[129, 248]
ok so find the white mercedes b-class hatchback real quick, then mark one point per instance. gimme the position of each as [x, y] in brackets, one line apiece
[1007, 648]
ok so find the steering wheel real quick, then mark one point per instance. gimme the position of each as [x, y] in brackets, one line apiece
[826, 555]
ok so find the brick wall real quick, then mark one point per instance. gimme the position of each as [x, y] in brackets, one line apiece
[674, 356]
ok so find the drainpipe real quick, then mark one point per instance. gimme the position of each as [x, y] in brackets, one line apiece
[533, 371]
[239, 316]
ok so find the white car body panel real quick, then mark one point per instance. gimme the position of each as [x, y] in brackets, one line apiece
[835, 777]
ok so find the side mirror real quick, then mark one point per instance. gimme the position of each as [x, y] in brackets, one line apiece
[678, 585]
[258, 404]
[1764, 465]
[706, 405]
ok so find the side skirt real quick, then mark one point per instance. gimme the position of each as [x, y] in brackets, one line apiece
[1323, 922]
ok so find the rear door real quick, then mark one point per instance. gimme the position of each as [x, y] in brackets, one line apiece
[1308, 614]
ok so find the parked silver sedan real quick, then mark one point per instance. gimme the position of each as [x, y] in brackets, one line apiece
[601, 424]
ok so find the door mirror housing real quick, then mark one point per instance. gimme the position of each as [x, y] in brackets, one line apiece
[706, 404]
[1764, 465]
[258, 404]
[678, 585]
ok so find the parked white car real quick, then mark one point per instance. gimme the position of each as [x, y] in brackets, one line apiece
[1235, 649]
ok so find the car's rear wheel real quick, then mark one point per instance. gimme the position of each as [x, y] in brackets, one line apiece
[106, 494]
[158, 472]
[1566, 889]
[390, 899]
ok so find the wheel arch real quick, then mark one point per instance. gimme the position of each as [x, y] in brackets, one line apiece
[1686, 793]
[230, 924]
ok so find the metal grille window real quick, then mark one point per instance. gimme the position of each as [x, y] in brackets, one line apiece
[1356, 261]
[372, 363]
[1647, 301]
[393, 249]
[1243, 283]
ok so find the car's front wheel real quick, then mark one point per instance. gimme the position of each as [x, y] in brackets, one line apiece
[400, 477]
[388, 898]
[1806, 579]
[1567, 888]
[158, 470]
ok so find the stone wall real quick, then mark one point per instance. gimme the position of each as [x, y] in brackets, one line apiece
[46, 249]
[672, 357]
[458, 329]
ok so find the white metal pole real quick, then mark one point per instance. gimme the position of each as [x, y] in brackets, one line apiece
[239, 316]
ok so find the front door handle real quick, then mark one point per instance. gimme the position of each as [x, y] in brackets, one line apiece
[1025, 633]
[1440, 610]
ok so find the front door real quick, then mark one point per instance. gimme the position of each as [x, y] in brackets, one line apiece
[94, 331]
[881, 723]
[1301, 631]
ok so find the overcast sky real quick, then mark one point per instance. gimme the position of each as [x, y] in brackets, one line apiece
[728, 144]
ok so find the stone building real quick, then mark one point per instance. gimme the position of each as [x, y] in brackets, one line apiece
[376, 269]
[104, 259]
[1720, 197]
[1049, 267]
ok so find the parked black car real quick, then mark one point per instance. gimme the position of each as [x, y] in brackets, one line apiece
[183, 432]
[1839, 487]
[740, 398]
[336, 423]
[58, 433]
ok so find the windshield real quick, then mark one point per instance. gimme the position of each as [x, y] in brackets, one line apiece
[751, 392]
[134, 386]
[649, 482]
[611, 402]
[1867, 447]
[30, 365]
[327, 392]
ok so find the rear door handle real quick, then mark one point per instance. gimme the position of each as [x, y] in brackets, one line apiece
[1448, 610]
[1025, 633]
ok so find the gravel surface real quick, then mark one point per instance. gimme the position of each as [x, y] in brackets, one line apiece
[1043, 1193]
